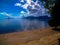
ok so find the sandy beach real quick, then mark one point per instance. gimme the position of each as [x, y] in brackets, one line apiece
[45, 36]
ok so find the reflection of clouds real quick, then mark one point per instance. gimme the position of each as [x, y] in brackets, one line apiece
[33, 24]
[23, 24]
[6, 22]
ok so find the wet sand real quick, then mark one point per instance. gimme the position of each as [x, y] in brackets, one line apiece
[45, 36]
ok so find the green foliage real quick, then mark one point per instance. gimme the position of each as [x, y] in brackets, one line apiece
[48, 4]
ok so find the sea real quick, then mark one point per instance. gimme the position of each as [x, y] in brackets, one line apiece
[19, 25]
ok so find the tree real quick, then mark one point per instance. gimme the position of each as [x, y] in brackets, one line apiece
[49, 4]
[55, 13]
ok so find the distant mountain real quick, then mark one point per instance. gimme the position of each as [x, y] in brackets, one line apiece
[39, 17]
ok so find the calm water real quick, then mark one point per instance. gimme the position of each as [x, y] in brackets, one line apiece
[13, 25]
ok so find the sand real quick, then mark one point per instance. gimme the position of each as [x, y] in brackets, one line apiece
[45, 36]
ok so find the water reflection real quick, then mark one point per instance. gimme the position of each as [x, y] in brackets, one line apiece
[12, 25]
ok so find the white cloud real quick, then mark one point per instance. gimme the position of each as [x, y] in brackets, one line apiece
[9, 15]
[17, 4]
[36, 2]
[31, 7]
[6, 14]
[21, 0]
[29, 1]
[25, 6]
[22, 12]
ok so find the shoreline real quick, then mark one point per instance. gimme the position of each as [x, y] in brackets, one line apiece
[45, 36]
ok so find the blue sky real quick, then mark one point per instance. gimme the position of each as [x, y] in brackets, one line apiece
[8, 6]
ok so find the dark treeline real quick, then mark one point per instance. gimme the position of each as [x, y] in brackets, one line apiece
[55, 13]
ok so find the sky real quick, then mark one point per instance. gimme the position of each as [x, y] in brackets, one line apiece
[18, 7]
[8, 7]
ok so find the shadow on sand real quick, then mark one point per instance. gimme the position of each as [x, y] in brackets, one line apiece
[56, 29]
[59, 41]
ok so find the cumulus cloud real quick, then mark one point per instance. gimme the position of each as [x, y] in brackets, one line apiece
[21, 0]
[32, 7]
[17, 4]
[29, 3]
[25, 6]
[22, 12]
